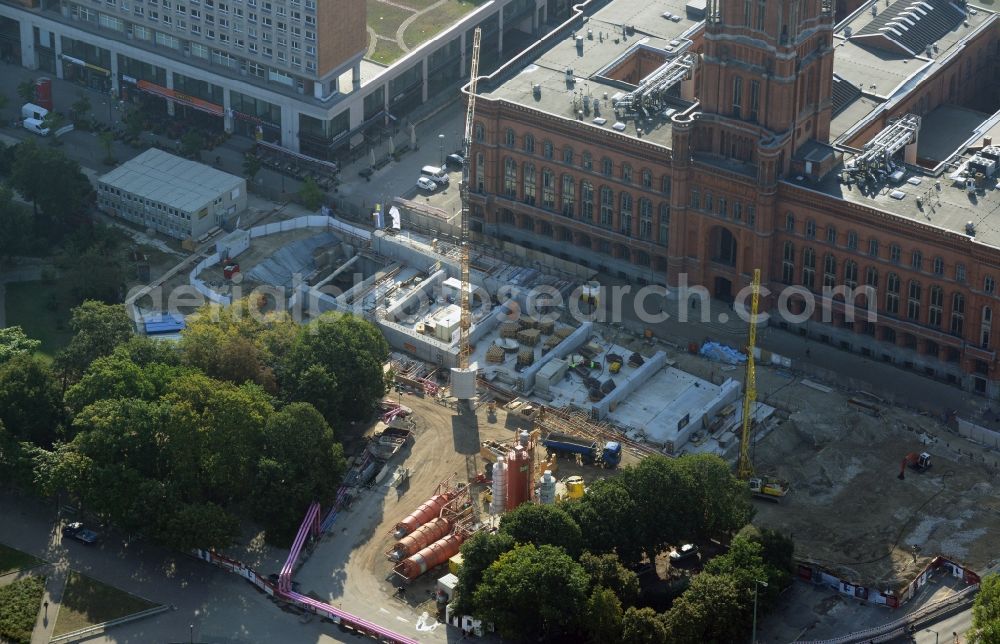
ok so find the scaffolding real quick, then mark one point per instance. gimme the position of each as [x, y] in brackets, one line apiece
[877, 160]
[651, 95]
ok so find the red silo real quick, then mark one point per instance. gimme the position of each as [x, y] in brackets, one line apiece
[419, 538]
[518, 477]
[427, 511]
[43, 92]
[433, 555]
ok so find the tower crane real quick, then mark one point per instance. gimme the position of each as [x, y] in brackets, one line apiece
[771, 489]
[465, 322]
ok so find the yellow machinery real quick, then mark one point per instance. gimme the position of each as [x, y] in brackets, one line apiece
[771, 489]
[466, 320]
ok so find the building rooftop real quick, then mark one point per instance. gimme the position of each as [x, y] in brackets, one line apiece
[164, 178]
[565, 73]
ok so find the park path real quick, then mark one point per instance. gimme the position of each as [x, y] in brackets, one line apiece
[48, 612]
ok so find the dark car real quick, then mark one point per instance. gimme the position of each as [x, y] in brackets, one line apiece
[455, 160]
[77, 531]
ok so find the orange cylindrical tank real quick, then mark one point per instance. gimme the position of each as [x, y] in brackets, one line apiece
[419, 538]
[433, 555]
[519, 477]
[427, 511]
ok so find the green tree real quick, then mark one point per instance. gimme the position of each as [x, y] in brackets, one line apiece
[53, 184]
[198, 525]
[543, 524]
[723, 500]
[643, 626]
[192, 144]
[311, 194]
[714, 608]
[353, 353]
[251, 166]
[603, 622]
[608, 519]
[54, 121]
[114, 376]
[107, 139]
[14, 342]
[665, 516]
[545, 579]
[15, 225]
[986, 612]
[98, 329]
[81, 107]
[607, 571]
[134, 124]
[300, 462]
[95, 273]
[478, 553]
[30, 402]
[26, 91]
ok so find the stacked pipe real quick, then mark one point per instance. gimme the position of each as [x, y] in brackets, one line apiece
[433, 555]
[420, 538]
[427, 511]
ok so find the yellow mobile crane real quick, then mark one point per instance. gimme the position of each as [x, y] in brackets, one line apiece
[767, 488]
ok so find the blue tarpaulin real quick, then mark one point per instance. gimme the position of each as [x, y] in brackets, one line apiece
[722, 353]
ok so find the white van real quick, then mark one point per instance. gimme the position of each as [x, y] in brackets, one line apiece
[35, 125]
[435, 174]
[32, 111]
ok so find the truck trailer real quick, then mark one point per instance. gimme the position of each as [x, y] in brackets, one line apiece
[589, 450]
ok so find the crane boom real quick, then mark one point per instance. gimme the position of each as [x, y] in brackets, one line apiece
[466, 320]
[745, 468]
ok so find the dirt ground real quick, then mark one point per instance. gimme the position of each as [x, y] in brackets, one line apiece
[847, 509]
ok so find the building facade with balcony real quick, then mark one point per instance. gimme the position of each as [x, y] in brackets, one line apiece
[660, 146]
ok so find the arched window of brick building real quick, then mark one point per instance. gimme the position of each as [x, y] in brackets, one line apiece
[625, 226]
[548, 189]
[851, 274]
[587, 161]
[871, 277]
[607, 206]
[957, 314]
[809, 268]
[530, 184]
[989, 285]
[935, 301]
[510, 178]
[829, 271]
[852, 240]
[529, 144]
[664, 235]
[938, 266]
[567, 155]
[986, 327]
[788, 264]
[480, 133]
[587, 201]
[626, 173]
[607, 167]
[568, 195]
[480, 172]
[892, 294]
[547, 150]
[647, 178]
[790, 222]
[509, 138]
[645, 219]
[913, 301]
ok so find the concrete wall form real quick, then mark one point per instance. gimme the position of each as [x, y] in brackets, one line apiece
[637, 379]
[527, 380]
[978, 434]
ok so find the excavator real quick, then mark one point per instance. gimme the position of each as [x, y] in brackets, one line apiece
[768, 488]
[919, 462]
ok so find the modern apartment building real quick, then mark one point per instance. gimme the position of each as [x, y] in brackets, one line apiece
[290, 72]
[708, 139]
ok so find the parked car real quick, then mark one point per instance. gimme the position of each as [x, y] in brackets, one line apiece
[686, 551]
[76, 530]
[427, 184]
[455, 160]
[435, 174]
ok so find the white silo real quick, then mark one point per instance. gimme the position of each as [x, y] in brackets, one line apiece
[499, 486]
[547, 489]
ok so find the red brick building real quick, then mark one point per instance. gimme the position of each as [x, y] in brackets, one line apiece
[708, 142]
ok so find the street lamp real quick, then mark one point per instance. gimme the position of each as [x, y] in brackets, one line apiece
[441, 141]
[756, 583]
[191, 633]
[936, 634]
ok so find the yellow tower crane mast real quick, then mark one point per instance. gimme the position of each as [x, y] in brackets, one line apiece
[767, 488]
[465, 322]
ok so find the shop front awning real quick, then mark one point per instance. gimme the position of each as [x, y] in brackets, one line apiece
[183, 99]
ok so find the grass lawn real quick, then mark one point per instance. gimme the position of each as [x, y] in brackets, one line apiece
[19, 602]
[416, 4]
[386, 52]
[11, 560]
[385, 18]
[87, 602]
[434, 22]
[42, 310]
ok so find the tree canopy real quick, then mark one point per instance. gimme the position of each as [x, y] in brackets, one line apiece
[30, 400]
[543, 524]
[986, 612]
[14, 342]
[98, 328]
[533, 591]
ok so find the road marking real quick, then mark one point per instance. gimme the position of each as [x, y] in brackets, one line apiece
[403, 619]
[383, 610]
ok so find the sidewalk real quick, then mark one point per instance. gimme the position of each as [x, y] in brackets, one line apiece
[55, 584]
